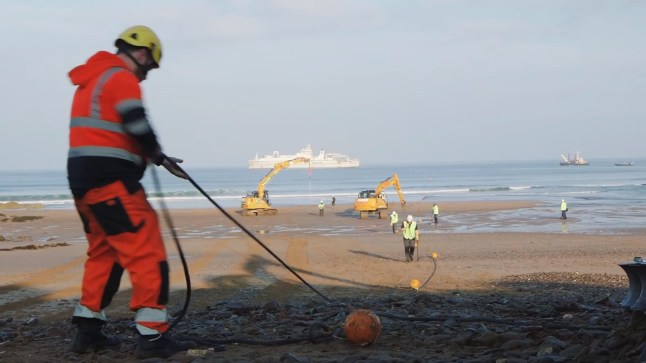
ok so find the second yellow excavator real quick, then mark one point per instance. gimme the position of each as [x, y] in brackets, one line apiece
[257, 202]
[374, 201]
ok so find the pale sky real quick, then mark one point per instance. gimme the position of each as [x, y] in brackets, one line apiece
[383, 81]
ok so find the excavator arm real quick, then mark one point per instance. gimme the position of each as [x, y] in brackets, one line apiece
[394, 181]
[257, 202]
[278, 167]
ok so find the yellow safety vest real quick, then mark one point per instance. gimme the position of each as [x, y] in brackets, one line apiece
[409, 230]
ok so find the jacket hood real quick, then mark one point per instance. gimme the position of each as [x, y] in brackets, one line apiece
[97, 64]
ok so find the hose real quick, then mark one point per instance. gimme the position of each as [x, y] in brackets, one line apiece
[171, 227]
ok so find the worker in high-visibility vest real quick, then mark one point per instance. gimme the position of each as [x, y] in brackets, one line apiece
[111, 142]
[563, 209]
[394, 219]
[411, 237]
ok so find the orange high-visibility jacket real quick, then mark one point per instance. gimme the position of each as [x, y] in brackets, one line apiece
[110, 136]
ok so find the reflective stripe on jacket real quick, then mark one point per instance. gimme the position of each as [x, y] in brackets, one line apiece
[96, 127]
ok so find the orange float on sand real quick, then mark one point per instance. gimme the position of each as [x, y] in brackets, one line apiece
[415, 284]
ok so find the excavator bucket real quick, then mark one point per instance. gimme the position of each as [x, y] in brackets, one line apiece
[636, 297]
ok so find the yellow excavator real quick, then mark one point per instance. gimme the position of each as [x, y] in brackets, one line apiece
[257, 202]
[373, 201]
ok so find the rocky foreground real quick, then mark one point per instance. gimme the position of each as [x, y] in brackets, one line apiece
[545, 317]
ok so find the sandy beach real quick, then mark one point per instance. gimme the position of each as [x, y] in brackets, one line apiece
[340, 255]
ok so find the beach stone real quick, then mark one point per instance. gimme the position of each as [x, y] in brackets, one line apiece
[424, 326]
[572, 351]
[545, 350]
[292, 358]
[464, 338]
[615, 342]
[594, 320]
[550, 359]
[353, 358]
[556, 344]
[512, 335]
[594, 333]
[515, 344]
[271, 306]
[489, 339]
[438, 337]
[511, 360]
[6, 335]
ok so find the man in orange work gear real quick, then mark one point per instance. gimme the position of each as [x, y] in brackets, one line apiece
[111, 144]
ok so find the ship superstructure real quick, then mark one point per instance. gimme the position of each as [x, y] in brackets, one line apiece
[322, 160]
[578, 160]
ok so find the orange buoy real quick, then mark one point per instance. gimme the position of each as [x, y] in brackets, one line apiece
[362, 327]
[415, 284]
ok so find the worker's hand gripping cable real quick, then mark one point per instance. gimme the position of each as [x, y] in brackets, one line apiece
[170, 163]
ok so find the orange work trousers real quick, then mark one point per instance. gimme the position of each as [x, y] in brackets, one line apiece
[122, 230]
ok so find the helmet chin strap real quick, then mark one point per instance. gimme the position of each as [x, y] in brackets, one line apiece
[142, 69]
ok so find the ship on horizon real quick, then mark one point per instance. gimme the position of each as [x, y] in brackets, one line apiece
[322, 160]
[578, 160]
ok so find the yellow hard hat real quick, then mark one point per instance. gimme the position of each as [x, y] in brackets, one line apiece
[142, 36]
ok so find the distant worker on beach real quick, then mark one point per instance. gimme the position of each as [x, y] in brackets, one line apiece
[111, 144]
[394, 219]
[321, 208]
[436, 212]
[411, 236]
[563, 209]
[333, 201]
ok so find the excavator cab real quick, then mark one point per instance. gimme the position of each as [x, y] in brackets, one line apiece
[254, 194]
[254, 205]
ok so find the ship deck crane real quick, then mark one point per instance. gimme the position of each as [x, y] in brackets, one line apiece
[257, 202]
[373, 201]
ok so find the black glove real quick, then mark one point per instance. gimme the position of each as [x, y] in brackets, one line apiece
[170, 163]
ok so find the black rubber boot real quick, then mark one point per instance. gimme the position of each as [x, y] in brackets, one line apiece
[89, 336]
[160, 346]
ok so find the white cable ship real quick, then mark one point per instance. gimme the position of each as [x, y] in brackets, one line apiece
[322, 160]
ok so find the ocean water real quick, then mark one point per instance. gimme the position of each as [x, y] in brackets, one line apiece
[602, 198]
